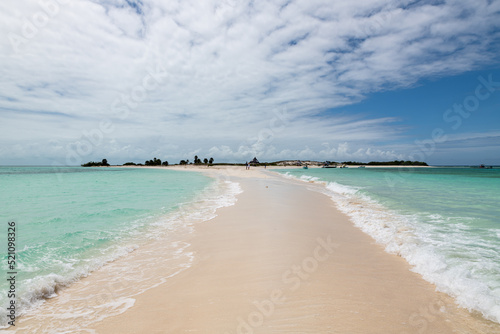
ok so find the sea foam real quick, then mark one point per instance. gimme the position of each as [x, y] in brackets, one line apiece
[156, 238]
[429, 244]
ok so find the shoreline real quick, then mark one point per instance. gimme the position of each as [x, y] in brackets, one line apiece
[201, 168]
[283, 259]
[272, 273]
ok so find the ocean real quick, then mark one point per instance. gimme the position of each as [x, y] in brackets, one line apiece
[70, 221]
[444, 221]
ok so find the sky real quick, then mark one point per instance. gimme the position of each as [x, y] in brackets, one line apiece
[364, 80]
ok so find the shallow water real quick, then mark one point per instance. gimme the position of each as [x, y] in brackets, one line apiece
[444, 221]
[71, 221]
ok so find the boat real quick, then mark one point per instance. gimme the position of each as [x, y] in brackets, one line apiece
[482, 167]
[305, 167]
[361, 166]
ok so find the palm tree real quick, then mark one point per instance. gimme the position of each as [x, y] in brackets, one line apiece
[205, 161]
[211, 161]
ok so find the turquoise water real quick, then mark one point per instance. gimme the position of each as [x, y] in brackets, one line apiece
[70, 221]
[444, 221]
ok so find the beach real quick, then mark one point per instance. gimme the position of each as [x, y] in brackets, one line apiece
[250, 167]
[282, 259]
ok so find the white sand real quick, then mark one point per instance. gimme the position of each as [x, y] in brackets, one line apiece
[285, 260]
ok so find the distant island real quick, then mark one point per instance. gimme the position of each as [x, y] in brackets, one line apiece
[347, 163]
[387, 163]
[103, 163]
[255, 162]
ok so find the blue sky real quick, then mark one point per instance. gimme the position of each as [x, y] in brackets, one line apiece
[324, 80]
[422, 109]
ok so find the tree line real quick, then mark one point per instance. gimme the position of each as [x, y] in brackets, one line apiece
[103, 163]
[152, 162]
[197, 161]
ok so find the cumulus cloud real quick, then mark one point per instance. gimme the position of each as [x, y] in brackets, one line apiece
[175, 77]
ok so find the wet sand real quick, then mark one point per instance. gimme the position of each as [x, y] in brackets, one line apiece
[283, 259]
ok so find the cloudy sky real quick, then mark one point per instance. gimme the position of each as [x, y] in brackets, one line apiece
[129, 80]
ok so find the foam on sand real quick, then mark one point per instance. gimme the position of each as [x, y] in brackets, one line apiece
[256, 269]
[260, 265]
[108, 285]
[429, 247]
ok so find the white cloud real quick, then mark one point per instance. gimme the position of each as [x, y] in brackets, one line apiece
[229, 64]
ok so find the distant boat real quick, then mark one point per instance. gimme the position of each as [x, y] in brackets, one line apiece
[483, 167]
[305, 167]
[361, 167]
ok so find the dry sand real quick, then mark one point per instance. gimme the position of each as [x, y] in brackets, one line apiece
[283, 259]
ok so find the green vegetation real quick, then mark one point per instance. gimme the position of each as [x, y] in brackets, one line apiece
[103, 163]
[197, 161]
[210, 162]
[154, 162]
